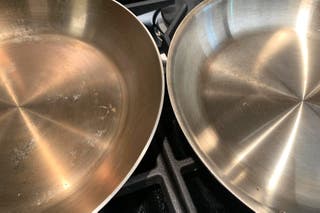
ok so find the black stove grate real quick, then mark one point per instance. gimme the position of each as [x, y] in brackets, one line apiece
[171, 178]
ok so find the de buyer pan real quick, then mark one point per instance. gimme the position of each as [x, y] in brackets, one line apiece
[243, 78]
[81, 90]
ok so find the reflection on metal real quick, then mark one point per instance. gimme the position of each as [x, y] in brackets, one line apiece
[8, 87]
[241, 176]
[209, 140]
[43, 145]
[276, 43]
[6, 67]
[102, 145]
[231, 12]
[67, 138]
[256, 142]
[231, 72]
[302, 25]
[79, 57]
[6, 114]
[78, 17]
[274, 180]
[253, 88]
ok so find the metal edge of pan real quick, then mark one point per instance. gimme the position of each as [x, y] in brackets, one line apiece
[243, 197]
[124, 180]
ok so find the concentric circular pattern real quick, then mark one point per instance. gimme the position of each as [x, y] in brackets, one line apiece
[61, 104]
[261, 98]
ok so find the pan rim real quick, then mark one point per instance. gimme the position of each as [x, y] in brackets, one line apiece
[156, 124]
[209, 164]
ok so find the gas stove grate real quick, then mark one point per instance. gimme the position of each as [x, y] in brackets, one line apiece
[171, 178]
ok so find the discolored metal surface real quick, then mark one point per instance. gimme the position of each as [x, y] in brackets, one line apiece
[243, 78]
[74, 117]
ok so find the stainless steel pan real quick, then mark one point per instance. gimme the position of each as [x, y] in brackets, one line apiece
[81, 90]
[243, 78]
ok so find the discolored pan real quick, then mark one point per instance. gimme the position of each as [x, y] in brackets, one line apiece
[81, 90]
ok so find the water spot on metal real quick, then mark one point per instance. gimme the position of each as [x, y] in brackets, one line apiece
[76, 97]
[22, 153]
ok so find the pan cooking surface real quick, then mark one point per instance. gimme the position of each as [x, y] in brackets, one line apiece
[81, 92]
[244, 82]
[260, 95]
[61, 104]
[258, 78]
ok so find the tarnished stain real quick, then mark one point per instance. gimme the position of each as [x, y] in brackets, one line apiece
[76, 97]
[20, 154]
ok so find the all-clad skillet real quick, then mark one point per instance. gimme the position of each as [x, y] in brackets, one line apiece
[243, 78]
[81, 91]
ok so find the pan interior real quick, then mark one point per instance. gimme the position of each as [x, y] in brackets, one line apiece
[245, 83]
[62, 103]
[81, 90]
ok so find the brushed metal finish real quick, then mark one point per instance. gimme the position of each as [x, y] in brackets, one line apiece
[244, 81]
[81, 90]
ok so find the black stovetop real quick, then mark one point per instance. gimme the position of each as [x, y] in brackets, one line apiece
[170, 177]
